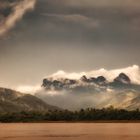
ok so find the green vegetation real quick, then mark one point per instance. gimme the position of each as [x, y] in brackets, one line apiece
[65, 115]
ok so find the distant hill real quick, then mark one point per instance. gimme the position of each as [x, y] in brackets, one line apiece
[13, 101]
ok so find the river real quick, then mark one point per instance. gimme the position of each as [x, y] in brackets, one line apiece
[70, 131]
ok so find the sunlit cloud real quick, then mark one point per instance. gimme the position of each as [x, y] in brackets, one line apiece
[28, 89]
[75, 18]
[133, 72]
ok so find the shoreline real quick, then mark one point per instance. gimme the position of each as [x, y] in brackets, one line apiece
[68, 122]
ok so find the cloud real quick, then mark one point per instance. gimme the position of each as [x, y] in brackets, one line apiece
[75, 19]
[133, 72]
[18, 10]
[64, 99]
[28, 89]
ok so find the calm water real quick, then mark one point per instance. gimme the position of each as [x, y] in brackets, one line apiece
[70, 131]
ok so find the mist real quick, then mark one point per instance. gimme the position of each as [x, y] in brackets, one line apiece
[75, 101]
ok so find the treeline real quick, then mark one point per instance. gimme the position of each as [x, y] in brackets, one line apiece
[105, 114]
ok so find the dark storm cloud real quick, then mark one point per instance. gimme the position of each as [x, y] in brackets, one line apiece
[15, 11]
[111, 21]
[95, 21]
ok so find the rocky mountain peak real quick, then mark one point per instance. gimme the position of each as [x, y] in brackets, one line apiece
[122, 78]
[65, 83]
[84, 78]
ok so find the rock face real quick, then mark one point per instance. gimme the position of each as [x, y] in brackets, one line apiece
[100, 80]
[122, 78]
[13, 101]
[50, 84]
[84, 79]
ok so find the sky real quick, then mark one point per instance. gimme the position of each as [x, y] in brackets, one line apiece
[41, 37]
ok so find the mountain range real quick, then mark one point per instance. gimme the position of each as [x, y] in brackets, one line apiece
[13, 101]
[92, 84]
[95, 92]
